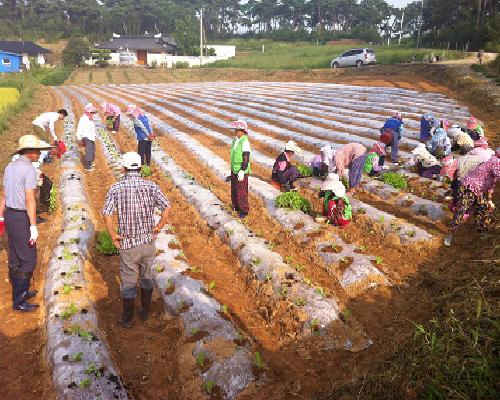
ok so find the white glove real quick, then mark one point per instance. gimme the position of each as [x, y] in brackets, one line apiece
[33, 233]
[491, 205]
[241, 175]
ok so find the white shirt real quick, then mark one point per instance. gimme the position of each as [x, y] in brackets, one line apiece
[86, 128]
[47, 120]
[245, 147]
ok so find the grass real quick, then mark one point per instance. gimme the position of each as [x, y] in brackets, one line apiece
[26, 89]
[309, 56]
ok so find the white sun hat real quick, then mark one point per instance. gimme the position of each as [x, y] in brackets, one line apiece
[292, 146]
[32, 142]
[334, 184]
[131, 160]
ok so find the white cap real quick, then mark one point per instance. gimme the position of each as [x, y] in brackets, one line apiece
[292, 146]
[131, 160]
[334, 184]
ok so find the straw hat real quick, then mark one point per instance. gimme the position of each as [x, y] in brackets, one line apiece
[292, 146]
[334, 184]
[32, 142]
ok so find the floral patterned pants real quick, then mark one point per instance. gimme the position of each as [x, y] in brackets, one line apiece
[468, 201]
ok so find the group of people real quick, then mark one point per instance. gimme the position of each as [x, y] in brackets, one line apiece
[86, 130]
[473, 178]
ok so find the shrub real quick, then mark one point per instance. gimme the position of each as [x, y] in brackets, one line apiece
[293, 201]
[105, 244]
[395, 180]
[181, 64]
[305, 170]
[53, 199]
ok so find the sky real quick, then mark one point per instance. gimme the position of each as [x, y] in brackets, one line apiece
[399, 3]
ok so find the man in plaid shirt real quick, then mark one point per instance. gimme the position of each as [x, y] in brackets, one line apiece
[135, 199]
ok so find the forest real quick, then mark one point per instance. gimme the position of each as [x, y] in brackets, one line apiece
[475, 22]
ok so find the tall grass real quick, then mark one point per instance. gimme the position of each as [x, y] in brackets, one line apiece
[309, 56]
[26, 88]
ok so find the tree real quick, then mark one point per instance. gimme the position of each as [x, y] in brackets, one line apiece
[75, 52]
[187, 34]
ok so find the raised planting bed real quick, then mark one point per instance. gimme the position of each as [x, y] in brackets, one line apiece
[362, 266]
[81, 365]
[188, 299]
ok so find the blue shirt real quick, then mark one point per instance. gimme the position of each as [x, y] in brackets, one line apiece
[142, 127]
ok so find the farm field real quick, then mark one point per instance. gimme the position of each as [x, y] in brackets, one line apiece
[8, 96]
[276, 306]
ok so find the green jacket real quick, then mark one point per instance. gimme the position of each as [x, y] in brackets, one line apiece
[237, 155]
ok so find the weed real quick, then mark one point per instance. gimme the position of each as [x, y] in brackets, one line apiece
[181, 255]
[271, 246]
[225, 309]
[381, 219]
[361, 248]
[283, 291]
[209, 386]
[194, 270]
[90, 76]
[105, 245]
[289, 259]
[53, 199]
[321, 291]
[300, 302]
[315, 326]
[200, 358]
[126, 75]
[346, 314]
[110, 77]
[378, 260]
[307, 281]
[259, 363]
[211, 286]
[193, 331]
[293, 201]
[298, 267]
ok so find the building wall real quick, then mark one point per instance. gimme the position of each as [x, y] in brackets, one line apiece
[223, 51]
[10, 62]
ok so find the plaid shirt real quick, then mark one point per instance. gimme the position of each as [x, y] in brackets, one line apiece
[135, 200]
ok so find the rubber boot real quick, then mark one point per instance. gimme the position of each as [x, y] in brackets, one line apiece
[20, 285]
[128, 313]
[146, 295]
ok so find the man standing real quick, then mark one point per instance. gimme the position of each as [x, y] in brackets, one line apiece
[240, 168]
[143, 132]
[18, 218]
[135, 199]
[86, 133]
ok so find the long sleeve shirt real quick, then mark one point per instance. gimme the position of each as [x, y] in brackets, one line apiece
[86, 128]
[47, 121]
[142, 127]
[346, 155]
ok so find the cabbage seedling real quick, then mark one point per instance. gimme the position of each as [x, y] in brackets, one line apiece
[258, 360]
[209, 386]
[200, 359]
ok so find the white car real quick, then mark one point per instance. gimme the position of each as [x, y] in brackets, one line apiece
[354, 58]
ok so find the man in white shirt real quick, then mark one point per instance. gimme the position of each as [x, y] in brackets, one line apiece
[47, 121]
[86, 133]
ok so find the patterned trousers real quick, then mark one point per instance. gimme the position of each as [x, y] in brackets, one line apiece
[468, 201]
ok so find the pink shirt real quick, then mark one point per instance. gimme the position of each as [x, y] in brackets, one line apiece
[113, 110]
[347, 154]
[484, 177]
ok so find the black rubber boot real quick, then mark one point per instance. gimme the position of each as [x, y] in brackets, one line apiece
[146, 295]
[20, 285]
[128, 313]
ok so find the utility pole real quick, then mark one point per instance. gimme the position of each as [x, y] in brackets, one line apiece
[401, 27]
[420, 24]
[201, 37]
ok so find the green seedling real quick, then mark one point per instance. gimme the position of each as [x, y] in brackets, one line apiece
[289, 259]
[283, 291]
[381, 219]
[411, 233]
[86, 335]
[194, 270]
[307, 281]
[92, 368]
[240, 336]
[67, 289]
[271, 246]
[347, 313]
[211, 286]
[268, 278]
[225, 309]
[258, 360]
[173, 242]
[200, 359]
[300, 302]
[69, 312]
[193, 331]
[257, 261]
[361, 248]
[378, 260]
[315, 326]
[305, 170]
[159, 268]
[105, 244]
[209, 386]
[76, 357]
[145, 171]
[395, 180]
[84, 384]
[181, 255]
[321, 291]
[67, 255]
[293, 201]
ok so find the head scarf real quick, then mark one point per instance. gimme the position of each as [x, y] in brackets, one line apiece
[449, 166]
[472, 123]
[378, 148]
[134, 110]
[422, 155]
[481, 142]
[240, 125]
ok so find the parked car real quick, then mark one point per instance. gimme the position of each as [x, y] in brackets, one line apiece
[354, 57]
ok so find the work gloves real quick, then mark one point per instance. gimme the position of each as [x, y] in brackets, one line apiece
[2, 226]
[33, 235]
[241, 175]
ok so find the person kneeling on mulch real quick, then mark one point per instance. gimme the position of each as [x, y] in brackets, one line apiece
[284, 172]
[336, 206]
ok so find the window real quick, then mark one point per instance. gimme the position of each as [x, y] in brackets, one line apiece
[347, 54]
[369, 51]
[6, 62]
[357, 51]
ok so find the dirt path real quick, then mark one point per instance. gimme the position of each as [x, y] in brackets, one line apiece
[22, 336]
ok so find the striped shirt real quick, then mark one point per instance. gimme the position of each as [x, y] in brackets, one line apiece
[135, 200]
